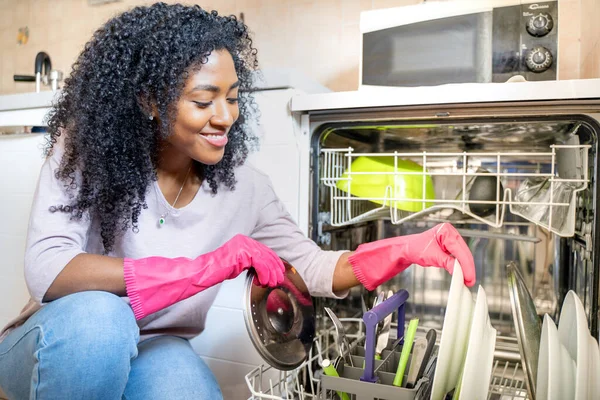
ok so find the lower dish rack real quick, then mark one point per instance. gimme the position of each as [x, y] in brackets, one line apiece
[306, 382]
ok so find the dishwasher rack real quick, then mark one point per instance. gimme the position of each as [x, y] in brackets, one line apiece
[304, 383]
[459, 170]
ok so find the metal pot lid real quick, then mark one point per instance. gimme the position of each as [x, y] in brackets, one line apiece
[527, 325]
[281, 320]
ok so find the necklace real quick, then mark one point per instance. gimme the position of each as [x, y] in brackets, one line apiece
[163, 217]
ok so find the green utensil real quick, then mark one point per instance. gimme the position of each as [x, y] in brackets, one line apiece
[458, 386]
[408, 342]
[330, 370]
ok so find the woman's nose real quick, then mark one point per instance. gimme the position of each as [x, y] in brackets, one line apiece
[223, 115]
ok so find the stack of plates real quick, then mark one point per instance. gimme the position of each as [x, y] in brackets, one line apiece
[556, 368]
[466, 351]
[569, 358]
[479, 360]
[558, 363]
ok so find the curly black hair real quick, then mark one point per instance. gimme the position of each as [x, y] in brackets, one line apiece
[138, 58]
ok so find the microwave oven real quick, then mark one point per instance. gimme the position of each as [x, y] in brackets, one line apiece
[467, 41]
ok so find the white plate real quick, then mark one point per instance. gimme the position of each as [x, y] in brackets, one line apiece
[455, 334]
[574, 334]
[479, 361]
[594, 369]
[556, 368]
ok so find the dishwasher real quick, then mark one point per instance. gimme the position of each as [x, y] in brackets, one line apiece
[535, 148]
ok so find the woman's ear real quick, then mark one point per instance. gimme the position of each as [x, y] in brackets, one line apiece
[148, 107]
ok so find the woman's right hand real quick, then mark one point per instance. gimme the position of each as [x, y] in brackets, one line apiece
[155, 283]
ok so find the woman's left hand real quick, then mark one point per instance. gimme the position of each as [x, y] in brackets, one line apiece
[377, 262]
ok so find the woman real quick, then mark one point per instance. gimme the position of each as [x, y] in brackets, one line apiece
[145, 194]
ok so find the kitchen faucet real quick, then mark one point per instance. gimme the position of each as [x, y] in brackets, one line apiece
[43, 73]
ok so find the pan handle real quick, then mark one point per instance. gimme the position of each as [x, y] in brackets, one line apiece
[371, 318]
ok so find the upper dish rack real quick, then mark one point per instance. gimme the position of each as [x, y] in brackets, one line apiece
[540, 187]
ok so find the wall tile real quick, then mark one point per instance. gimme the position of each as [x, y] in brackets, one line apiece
[7, 85]
[56, 11]
[270, 25]
[224, 7]
[347, 73]
[7, 15]
[569, 62]
[39, 13]
[590, 14]
[8, 40]
[595, 16]
[595, 62]
[24, 58]
[587, 68]
[377, 4]
[316, 29]
[351, 10]
[569, 39]
[569, 16]
[22, 14]
[587, 22]
[70, 51]
[312, 36]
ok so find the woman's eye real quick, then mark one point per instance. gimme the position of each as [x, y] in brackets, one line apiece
[233, 100]
[201, 104]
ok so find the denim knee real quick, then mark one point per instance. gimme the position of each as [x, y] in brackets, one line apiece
[78, 346]
[99, 317]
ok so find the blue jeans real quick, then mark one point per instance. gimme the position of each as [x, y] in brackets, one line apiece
[86, 346]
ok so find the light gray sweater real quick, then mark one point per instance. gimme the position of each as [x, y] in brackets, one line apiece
[203, 225]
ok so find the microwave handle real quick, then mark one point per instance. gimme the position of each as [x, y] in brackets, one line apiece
[371, 318]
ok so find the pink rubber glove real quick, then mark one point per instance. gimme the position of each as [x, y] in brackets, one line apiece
[377, 262]
[155, 283]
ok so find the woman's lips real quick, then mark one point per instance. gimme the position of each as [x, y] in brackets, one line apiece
[216, 140]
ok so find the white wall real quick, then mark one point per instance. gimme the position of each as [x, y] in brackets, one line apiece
[20, 161]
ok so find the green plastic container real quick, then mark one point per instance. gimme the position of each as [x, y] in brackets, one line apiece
[402, 186]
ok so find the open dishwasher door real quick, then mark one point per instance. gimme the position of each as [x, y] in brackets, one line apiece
[513, 166]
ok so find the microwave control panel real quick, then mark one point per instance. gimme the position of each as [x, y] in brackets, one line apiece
[525, 42]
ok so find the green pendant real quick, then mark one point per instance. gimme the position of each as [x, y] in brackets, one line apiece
[161, 220]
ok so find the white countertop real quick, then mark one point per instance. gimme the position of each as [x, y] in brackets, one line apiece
[27, 100]
[450, 94]
[25, 109]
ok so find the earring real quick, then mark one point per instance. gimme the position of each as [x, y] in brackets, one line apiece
[151, 117]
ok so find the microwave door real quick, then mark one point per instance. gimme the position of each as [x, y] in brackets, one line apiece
[455, 49]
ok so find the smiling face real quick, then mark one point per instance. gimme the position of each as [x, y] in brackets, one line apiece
[206, 110]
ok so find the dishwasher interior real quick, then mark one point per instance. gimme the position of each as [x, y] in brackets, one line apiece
[550, 237]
